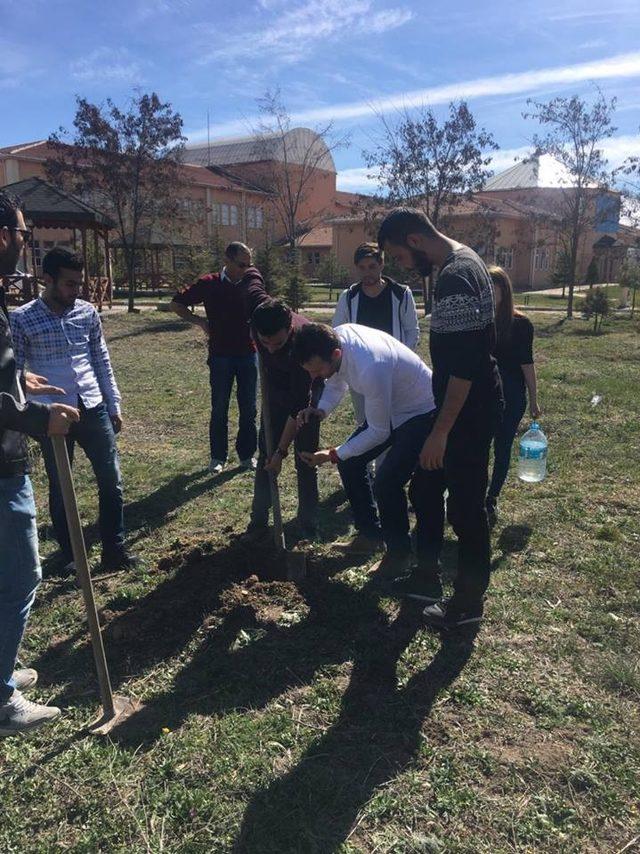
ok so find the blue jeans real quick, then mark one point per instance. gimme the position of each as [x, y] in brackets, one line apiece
[20, 572]
[386, 491]
[222, 372]
[515, 404]
[94, 433]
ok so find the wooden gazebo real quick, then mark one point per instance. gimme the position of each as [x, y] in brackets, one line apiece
[46, 206]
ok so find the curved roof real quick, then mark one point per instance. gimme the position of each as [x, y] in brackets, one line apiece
[541, 171]
[296, 144]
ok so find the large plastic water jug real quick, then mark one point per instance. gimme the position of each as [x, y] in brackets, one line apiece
[532, 464]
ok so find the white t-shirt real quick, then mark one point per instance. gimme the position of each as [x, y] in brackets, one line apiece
[395, 383]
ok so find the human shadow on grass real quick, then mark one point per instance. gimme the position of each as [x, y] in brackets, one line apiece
[377, 736]
[512, 539]
[153, 329]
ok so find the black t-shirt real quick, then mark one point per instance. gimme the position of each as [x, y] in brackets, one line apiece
[462, 336]
[516, 349]
[376, 312]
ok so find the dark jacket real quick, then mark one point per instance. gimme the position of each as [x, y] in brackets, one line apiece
[16, 418]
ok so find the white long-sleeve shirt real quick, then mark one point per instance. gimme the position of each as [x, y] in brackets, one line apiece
[395, 383]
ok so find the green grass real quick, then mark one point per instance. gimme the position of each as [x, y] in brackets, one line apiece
[324, 719]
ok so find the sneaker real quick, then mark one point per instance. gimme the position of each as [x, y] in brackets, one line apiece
[415, 585]
[59, 568]
[360, 545]
[21, 715]
[216, 466]
[24, 678]
[248, 465]
[119, 561]
[446, 614]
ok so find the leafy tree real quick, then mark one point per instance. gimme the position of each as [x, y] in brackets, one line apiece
[126, 161]
[332, 272]
[630, 278]
[562, 272]
[593, 274]
[431, 164]
[274, 272]
[296, 290]
[574, 130]
[596, 305]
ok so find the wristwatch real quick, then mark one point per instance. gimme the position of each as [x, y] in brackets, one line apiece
[333, 456]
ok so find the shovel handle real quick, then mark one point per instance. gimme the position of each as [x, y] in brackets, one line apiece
[82, 570]
[278, 533]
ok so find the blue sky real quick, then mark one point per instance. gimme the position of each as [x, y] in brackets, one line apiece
[339, 60]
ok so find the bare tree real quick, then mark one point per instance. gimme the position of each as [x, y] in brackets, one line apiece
[574, 132]
[431, 164]
[289, 164]
[126, 161]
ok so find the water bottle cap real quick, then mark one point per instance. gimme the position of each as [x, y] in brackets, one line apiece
[534, 426]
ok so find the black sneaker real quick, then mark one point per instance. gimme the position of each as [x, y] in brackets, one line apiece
[416, 586]
[447, 614]
[119, 561]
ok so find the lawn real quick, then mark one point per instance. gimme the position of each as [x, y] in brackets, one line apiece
[323, 718]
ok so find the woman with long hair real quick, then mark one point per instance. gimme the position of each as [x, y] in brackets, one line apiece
[514, 354]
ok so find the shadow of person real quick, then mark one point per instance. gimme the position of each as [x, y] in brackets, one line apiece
[512, 539]
[313, 807]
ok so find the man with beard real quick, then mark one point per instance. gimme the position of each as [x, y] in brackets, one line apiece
[378, 302]
[468, 396]
[62, 335]
[20, 572]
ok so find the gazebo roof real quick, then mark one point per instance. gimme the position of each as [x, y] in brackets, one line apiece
[47, 206]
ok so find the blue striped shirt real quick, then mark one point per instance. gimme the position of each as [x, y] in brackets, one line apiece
[69, 350]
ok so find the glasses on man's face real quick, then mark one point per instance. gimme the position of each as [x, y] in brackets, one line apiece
[26, 233]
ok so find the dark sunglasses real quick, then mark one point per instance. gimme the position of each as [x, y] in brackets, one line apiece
[26, 233]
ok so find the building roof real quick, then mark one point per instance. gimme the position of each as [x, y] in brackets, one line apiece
[45, 205]
[539, 171]
[319, 236]
[295, 144]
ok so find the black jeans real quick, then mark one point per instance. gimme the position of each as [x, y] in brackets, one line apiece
[465, 476]
[307, 439]
[387, 489]
[515, 400]
[94, 433]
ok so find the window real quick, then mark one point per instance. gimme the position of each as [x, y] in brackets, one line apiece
[215, 213]
[504, 258]
[233, 209]
[224, 219]
[541, 258]
[313, 259]
[254, 217]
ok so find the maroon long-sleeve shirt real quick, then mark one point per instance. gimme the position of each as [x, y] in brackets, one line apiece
[228, 306]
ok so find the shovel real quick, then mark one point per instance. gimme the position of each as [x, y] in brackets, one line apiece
[295, 562]
[115, 708]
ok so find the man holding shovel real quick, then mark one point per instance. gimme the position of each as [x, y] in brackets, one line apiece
[288, 389]
[20, 571]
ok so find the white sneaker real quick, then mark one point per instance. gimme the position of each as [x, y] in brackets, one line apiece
[250, 465]
[24, 678]
[21, 715]
[216, 466]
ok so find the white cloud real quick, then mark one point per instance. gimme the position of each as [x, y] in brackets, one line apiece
[356, 180]
[111, 64]
[290, 35]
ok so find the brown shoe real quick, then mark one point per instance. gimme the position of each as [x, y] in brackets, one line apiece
[389, 567]
[359, 545]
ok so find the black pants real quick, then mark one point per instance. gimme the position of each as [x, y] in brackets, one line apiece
[387, 489]
[465, 476]
[515, 404]
[307, 439]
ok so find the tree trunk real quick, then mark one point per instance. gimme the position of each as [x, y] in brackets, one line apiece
[131, 268]
[633, 301]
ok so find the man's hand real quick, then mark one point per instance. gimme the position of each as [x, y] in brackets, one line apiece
[534, 410]
[116, 420]
[432, 453]
[36, 384]
[317, 459]
[274, 464]
[305, 415]
[61, 417]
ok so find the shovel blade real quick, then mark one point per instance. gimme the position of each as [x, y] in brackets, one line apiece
[123, 708]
